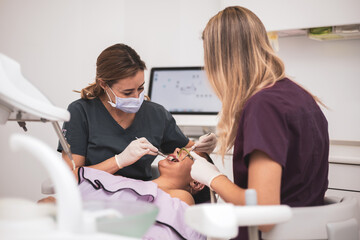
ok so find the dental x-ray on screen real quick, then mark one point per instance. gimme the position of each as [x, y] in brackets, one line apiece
[183, 90]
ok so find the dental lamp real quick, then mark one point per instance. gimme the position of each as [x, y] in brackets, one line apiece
[20, 101]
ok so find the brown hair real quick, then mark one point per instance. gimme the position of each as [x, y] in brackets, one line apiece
[116, 62]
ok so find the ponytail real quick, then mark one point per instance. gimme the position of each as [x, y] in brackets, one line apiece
[92, 91]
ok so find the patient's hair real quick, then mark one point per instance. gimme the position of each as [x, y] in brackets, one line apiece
[116, 62]
[203, 195]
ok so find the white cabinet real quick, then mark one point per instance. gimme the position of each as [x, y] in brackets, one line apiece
[344, 180]
[344, 177]
[296, 14]
[344, 169]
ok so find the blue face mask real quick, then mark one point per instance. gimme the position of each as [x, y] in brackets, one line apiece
[128, 105]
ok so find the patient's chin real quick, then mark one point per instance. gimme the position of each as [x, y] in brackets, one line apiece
[164, 164]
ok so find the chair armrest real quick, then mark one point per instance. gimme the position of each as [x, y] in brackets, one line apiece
[223, 220]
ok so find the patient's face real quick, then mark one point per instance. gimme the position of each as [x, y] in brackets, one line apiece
[180, 166]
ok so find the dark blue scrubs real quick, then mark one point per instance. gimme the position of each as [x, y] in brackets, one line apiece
[93, 133]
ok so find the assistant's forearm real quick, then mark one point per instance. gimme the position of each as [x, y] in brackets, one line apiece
[228, 191]
[232, 193]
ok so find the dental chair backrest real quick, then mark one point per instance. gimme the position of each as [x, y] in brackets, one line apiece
[221, 221]
[337, 220]
[19, 96]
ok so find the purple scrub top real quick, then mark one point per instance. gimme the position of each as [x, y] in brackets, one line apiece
[286, 123]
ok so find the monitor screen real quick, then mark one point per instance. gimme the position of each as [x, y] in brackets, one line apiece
[183, 90]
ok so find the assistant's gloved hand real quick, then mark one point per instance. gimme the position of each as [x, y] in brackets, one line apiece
[134, 151]
[206, 143]
[203, 171]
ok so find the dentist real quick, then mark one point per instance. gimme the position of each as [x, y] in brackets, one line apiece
[278, 133]
[112, 128]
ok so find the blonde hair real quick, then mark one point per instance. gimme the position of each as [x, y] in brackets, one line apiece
[239, 62]
[116, 62]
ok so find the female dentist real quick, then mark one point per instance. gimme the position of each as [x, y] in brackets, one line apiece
[277, 130]
[113, 129]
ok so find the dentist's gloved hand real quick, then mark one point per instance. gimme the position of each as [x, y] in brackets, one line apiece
[206, 143]
[134, 151]
[203, 171]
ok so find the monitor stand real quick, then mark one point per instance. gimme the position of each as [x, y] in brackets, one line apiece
[196, 125]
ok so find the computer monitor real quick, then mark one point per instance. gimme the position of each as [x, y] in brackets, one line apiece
[183, 90]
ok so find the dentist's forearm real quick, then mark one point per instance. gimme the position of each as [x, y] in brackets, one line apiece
[108, 165]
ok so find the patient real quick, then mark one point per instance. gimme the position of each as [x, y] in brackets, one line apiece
[172, 192]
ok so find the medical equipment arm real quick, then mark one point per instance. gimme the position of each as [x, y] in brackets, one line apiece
[65, 145]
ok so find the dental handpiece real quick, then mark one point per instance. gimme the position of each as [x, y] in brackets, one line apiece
[161, 154]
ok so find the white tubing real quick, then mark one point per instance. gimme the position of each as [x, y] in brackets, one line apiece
[69, 206]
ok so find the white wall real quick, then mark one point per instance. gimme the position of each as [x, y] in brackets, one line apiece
[330, 70]
[57, 43]
[168, 32]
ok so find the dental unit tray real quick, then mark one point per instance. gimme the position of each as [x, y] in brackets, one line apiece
[20, 101]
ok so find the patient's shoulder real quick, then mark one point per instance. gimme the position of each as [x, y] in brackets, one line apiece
[183, 195]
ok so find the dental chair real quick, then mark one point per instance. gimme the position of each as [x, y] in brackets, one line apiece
[338, 219]
[221, 221]
[70, 219]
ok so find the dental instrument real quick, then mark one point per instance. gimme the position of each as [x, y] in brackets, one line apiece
[161, 154]
[158, 152]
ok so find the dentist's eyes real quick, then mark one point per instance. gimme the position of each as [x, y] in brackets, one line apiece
[130, 93]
